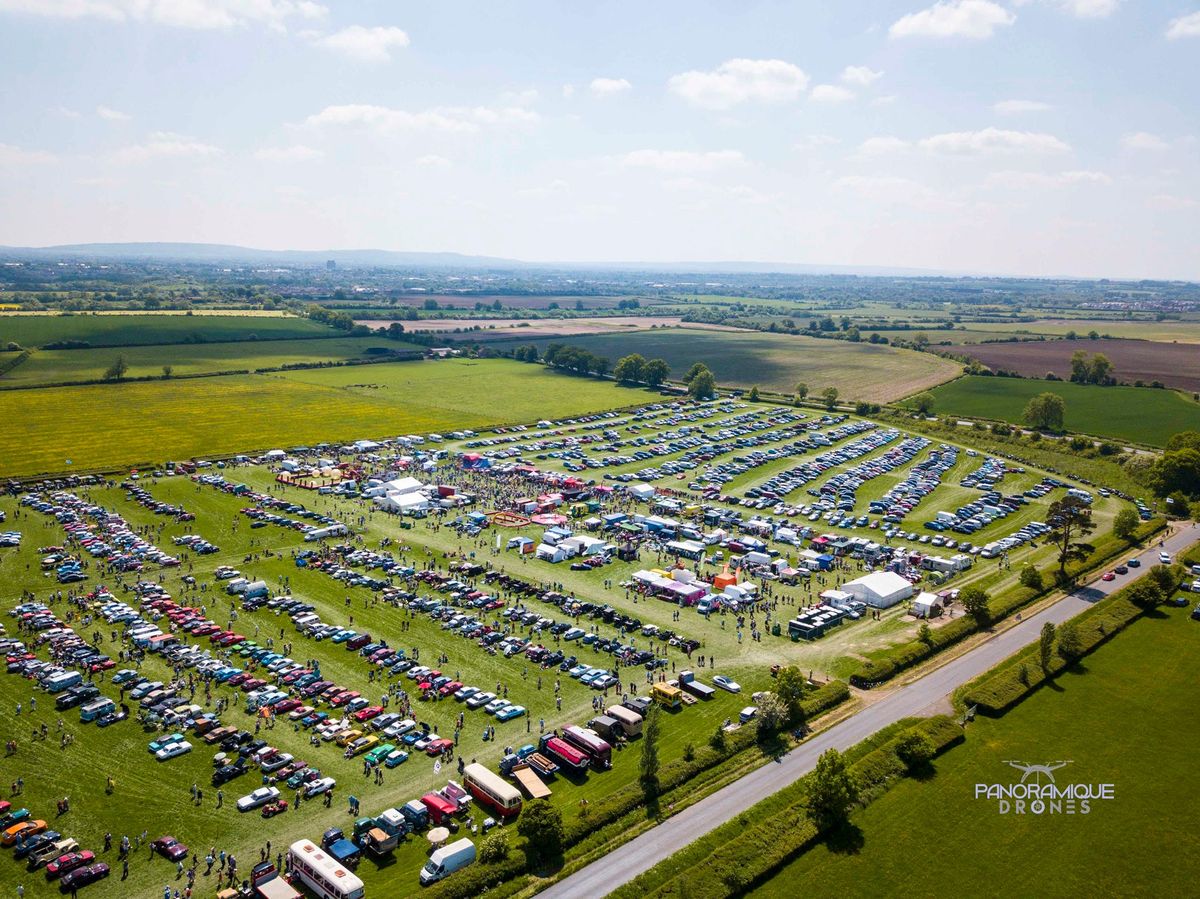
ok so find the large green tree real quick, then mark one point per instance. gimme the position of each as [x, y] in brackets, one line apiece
[648, 764]
[655, 372]
[630, 369]
[702, 386]
[831, 791]
[542, 827]
[1070, 519]
[1045, 412]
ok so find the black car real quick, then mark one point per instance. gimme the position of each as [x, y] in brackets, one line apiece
[36, 842]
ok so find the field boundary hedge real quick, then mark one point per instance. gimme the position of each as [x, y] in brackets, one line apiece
[9, 364]
[999, 689]
[744, 852]
[873, 672]
[630, 799]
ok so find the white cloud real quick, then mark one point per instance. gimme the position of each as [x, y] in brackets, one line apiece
[165, 145]
[66, 112]
[831, 93]
[885, 100]
[568, 91]
[741, 81]
[1143, 140]
[366, 44]
[881, 146]
[445, 119]
[112, 115]
[954, 18]
[14, 156]
[1171, 202]
[683, 160]
[993, 140]
[608, 87]
[860, 76]
[1184, 26]
[433, 161]
[1008, 180]
[204, 14]
[294, 153]
[890, 188]
[1017, 107]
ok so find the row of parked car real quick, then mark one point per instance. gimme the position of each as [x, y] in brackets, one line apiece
[43, 848]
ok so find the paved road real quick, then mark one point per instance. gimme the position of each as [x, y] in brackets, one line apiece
[642, 853]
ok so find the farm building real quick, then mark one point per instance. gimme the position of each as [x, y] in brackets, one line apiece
[881, 589]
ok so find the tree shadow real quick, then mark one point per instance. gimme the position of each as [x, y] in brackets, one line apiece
[846, 839]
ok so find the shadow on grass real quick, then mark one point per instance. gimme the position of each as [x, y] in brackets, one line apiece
[846, 839]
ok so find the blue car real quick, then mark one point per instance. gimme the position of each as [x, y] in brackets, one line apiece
[510, 712]
[162, 742]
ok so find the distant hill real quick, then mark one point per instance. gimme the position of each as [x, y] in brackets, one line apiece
[217, 253]
[230, 254]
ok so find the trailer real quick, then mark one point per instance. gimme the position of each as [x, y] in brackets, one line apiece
[531, 783]
[688, 682]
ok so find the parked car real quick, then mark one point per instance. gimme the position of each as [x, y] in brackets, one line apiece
[259, 797]
[82, 876]
[726, 684]
[169, 847]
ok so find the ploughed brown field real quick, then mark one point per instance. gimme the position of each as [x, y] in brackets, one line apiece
[1174, 364]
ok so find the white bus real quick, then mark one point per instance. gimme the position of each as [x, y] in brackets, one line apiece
[321, 874]
[492, 790]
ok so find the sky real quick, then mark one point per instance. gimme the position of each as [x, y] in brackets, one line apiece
[1023, 137]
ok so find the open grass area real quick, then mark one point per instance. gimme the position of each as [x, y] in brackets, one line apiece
[133, 329]
[1165, 331]
[111, 425]
[1139, 414]
[154, 796]
[779, 361]
[58, 366]
[1115, 718]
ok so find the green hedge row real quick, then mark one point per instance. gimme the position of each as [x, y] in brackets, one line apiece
[477, 878]
[764, 845]
[629, 798]
[1004, 687]
[9, 364]
[888, 664]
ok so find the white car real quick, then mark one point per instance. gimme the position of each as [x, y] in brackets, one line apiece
[747, 714]
[400, 728]
[317, 787]
[1165, 558]
[495, 705]
[257, 799]
[183, 747]
[726, 684]
[480, 699]
[276, 762]
[425, 741]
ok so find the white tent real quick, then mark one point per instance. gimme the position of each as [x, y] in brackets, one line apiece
[641, 491]
[927, 605]
[403, 485]
[881, 589]
[403, 502]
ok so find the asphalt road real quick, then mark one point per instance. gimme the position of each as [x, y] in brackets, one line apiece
[642, 853]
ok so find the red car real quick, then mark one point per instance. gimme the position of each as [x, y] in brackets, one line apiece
[169, 847]
[271, 809]
[437, 747]
[344, 697]
[1108, 576]
[68, 862]
[287, 705]
[81, 877]
[452, 687]
[368, 713]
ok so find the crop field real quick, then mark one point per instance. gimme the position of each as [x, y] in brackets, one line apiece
[133, 329]
[1140, 414]
[154, 796]
[1163, 332]
[501, 328]
[1078, 718]
[1174, 364]
[779, 362]
[112, 425]
[58, 366]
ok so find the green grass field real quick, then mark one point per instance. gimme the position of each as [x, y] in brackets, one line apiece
[1166, 331]
[111, 425]
[1121, 721]
[778, 362]
[136, 329]
[1139, 414]
[58, 366]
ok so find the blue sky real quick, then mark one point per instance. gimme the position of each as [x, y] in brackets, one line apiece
[1041, 137]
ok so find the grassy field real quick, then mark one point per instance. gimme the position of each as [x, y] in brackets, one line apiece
[1139, 414]
[136, 329]
[1165, 332]
[58, 366]
[1113, 719]
[111, 425]
[155, 797]
[779, 362]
